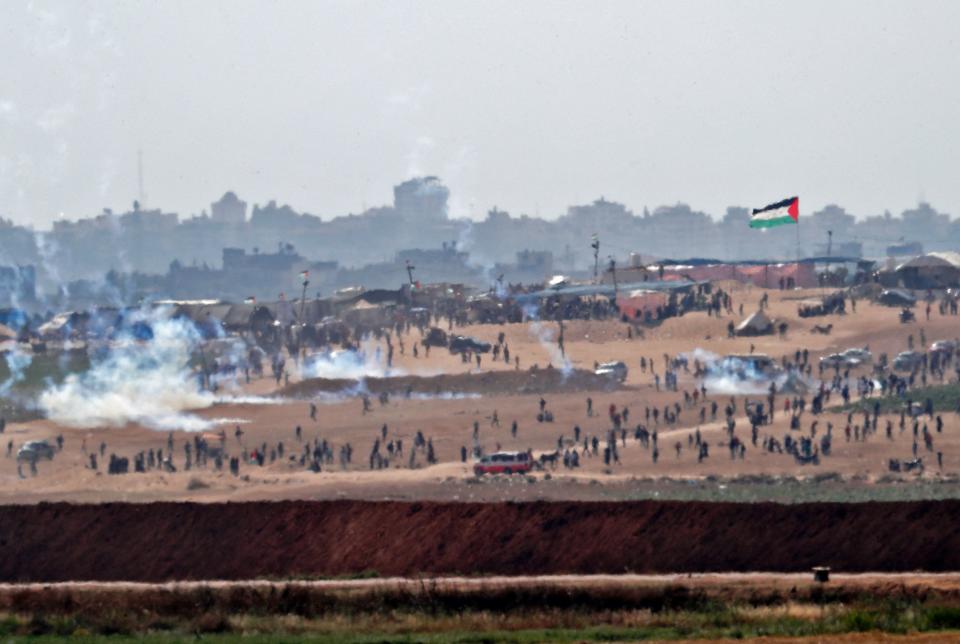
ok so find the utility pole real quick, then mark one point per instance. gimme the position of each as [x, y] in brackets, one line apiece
[303, 296]
[410, 268]
[613, 271]
[829, 249]
[303, 304]
[596, 256]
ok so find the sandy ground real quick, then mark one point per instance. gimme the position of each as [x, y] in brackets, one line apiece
[449, 422]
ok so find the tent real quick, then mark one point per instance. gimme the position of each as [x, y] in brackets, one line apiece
[933, 270]
[756, 324]
[636, 303]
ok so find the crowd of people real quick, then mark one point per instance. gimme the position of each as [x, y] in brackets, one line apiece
[878, 402]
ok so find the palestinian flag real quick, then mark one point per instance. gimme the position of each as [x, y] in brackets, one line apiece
[304, 275]
[776, 214]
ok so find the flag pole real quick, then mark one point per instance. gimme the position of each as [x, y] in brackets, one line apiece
[798, 240]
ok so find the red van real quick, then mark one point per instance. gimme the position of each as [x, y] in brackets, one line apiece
[503, 463]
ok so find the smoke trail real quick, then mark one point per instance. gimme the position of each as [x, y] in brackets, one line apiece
[545, 336]
[46, 251]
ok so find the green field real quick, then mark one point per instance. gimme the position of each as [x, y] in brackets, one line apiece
[945, 399]
[43, 370]
[462, 622]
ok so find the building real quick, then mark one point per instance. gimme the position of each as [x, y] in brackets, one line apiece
[531, 267]
[905, 249]
[237, 259]
[422, 199]
[229, 210]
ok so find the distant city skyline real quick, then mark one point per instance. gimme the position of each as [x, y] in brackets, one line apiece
[530, 107]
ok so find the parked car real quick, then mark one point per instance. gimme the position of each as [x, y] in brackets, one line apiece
[753, 366]
[462, 344]
[861, 356]
[943, 346]
[907, 361]
[833, 360]
[847, 359]
[617, 370]
[35, 451]
[503, 463]
[435, 338]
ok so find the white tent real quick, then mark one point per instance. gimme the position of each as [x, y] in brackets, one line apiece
[756, 324]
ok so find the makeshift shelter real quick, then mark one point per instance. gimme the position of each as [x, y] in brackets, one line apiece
[314, 311]
[761, 274]
[756, 324]
[56, 327]
[635, 304]
[932, 270]
[283, 312]
[238, 316]
[208, 318]
[368, 314]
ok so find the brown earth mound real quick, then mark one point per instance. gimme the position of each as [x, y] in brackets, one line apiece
[171, 541]
[531, 381]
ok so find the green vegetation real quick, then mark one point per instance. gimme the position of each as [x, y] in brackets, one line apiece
[44, 369]
[821, 485]
[945, 398]
[291, 614]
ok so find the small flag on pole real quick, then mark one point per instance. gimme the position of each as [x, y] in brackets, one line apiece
[776, 214]
[250, 300]
[304, 276]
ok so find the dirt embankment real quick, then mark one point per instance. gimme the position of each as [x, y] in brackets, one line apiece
[171, 541]
[531, 381]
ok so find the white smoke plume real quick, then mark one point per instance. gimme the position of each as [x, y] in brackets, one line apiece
[47, 249]
[545, 335]
[346, 364]
[137, 381]
[733, 376]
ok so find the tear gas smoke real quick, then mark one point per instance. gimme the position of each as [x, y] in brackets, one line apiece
[348, 365]
[545, 335]
[141, 381]
[735, 375]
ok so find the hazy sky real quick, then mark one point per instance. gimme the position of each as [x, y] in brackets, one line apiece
[530, 106]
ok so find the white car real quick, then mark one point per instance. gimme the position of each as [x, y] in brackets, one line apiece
[35, 451]
[833, 360]
[848, 359]
[616, 370]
